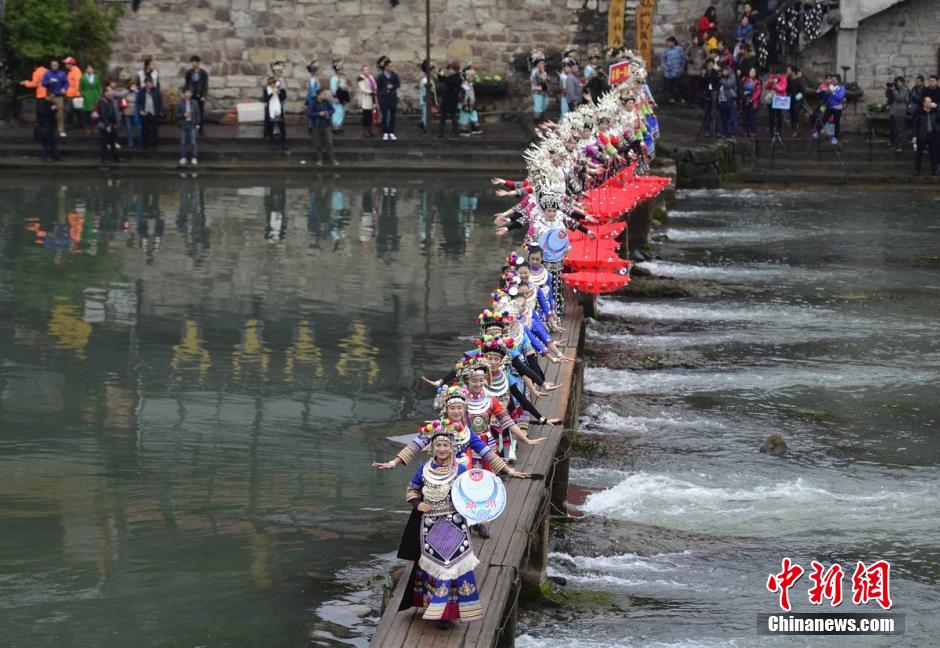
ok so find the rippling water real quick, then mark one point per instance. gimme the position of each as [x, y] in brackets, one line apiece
[195, 375]
[826, 335]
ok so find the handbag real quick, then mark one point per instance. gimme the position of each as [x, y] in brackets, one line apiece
[78, 103]
[376, 116]
[768, 97]
[342, 95]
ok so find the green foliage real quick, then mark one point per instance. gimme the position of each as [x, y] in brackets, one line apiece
[39, 30]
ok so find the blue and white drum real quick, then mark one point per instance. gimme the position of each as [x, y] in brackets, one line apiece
[479, 496]
[554, 244]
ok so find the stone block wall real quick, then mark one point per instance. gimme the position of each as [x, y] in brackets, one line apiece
[903, 40]
[239, 39]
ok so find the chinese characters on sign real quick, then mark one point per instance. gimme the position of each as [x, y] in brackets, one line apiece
[871, 583]
[618, 73]
[615, 23]
[644, 31]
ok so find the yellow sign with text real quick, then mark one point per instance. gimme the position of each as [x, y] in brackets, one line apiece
[645, 11]
[615, 18]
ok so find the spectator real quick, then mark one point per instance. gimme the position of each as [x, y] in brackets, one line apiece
[197, 82]
[744, 60]
[572, 87]
[745, 30]
[56, 83]
[750, 101]
[538, 80]
[710, 99]
[450, 99]
[469, 119]
[795, 89]
[149, 107]
[274, 97]
[933, 90]
[107, 114]
[189, 119]
[90, 88]
[320, 117]
[927, 135]
[899, 98]
[130, 115]
[595, 88]
[313, 89]
[73, 93]
[695, 55]
[776, 86]
[594, 61]
[673, 62]
[562, 83]
[708, 23]
[711, 41]
[388, 85]
[45, 130]
[366, 87]
[835, 103]
[728, 102]
[423, 99]
[339, 86]
[917, 95]
[36, 81]
[149, 72]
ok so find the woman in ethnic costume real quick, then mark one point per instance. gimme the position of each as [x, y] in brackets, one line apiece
[442, 582]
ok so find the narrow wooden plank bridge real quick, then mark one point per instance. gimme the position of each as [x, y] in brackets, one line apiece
[517, 550]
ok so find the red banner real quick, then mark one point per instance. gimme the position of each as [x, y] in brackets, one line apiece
[618, 73]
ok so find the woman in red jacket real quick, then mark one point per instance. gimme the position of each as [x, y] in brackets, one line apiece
[708, 22]
[776, 86]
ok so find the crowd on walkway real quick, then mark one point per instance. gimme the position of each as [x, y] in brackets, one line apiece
[736, 90]
[484, 404]
[82, 98]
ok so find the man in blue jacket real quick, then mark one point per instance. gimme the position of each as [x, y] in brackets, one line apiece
[56, 82]
[388, 84]
[319, 116]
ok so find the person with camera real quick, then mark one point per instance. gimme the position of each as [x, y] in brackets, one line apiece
[274, 97]
[927, 136]
[450, 98]
[320, 117]
[899, 99]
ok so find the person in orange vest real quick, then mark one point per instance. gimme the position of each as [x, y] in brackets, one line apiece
[74, 74]
[36, 81]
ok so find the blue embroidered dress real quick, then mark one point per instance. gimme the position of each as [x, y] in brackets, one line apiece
[444, 582]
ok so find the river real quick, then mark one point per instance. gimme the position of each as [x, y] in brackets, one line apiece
[195, 375]
[811, 314]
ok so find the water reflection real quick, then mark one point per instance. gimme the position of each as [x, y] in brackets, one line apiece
[189, 412]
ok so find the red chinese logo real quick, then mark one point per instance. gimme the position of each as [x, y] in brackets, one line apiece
[872, 583]
[783, 581]
[826, 584]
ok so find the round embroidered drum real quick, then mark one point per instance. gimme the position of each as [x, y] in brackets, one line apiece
[554, 244]
[479, 496]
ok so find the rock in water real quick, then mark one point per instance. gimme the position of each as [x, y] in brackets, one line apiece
[774, 445]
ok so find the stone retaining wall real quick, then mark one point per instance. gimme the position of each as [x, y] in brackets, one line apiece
[239, 39]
